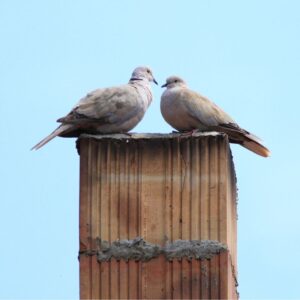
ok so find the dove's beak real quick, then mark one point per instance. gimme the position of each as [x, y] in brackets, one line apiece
[155, 81]
[164, 85]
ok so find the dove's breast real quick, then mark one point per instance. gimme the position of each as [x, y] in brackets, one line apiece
[175, 112]
[145, 94]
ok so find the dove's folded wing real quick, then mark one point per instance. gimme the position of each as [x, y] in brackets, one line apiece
[207, 112]
[109, 105]
[212, 117]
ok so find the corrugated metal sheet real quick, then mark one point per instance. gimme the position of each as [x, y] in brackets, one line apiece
[161, 188]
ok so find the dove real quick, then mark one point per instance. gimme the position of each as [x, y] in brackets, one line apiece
[108, 110]
[187, 110]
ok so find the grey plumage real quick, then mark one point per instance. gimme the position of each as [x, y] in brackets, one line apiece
[108, 110]
[186, 110]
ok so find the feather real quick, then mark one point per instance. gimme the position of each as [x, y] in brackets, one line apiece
[61, 130]
[244, 138]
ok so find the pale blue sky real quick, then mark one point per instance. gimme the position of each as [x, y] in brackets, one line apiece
[245, 55]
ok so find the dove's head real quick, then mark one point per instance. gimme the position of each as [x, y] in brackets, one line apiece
[174, 81]
[143, 73]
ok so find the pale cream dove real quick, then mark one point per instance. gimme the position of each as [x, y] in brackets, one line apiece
[186, 110]
[108, 110]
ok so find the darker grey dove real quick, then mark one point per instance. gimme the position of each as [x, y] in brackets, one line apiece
[186, 110]
[108, 110]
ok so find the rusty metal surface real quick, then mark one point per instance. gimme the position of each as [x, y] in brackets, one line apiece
[161, 188]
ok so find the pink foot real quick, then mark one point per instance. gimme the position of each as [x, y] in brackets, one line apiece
[190, 133]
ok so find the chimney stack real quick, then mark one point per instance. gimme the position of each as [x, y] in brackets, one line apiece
[157, 217]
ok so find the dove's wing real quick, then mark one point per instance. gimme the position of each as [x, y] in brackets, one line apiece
[214, 118]
[207, 112]
[109, 105]
[110, 109]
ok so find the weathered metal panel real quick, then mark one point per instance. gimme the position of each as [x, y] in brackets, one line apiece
[162, 188]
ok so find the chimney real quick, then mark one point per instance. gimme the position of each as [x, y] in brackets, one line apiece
[157, 217]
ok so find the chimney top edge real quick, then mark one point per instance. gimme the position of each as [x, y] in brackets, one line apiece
[149, 136]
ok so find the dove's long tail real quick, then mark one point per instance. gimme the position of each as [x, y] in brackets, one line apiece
[244, 138]
[251, 143]
[62, 129]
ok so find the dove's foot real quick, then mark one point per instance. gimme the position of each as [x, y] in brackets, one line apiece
[128, 133]
[191, 132]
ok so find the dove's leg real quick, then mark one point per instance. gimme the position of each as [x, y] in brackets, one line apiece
[191, 132]
[128, 133]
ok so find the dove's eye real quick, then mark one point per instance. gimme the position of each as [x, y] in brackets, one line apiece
[148, 71]
[176, 80]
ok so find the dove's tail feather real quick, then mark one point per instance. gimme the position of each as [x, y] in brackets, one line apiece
[62, 129]
[255, 146]
[244, 138]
